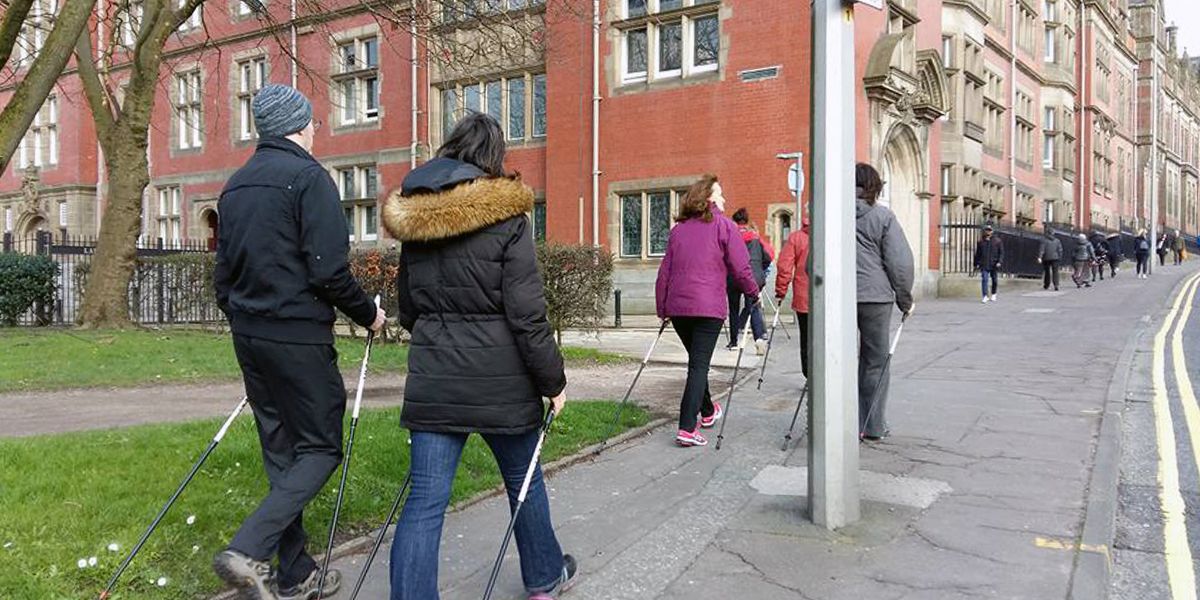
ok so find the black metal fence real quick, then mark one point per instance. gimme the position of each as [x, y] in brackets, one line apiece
[1021, 246]
[171, 282]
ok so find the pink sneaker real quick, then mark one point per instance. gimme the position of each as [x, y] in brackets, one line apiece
[709, 421]
[690, 438]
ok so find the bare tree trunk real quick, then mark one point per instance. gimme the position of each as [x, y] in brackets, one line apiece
[106, 298]
[10, 27]
[27, 100]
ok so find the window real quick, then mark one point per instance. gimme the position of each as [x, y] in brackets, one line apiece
[252, 74]
[359, 187]
[244, 9]
[646, 222]
[948, 52]
[170, 200]
[193, 21]
[39, 146]
[1049, 49]
[32, 35]
[62, 214]
[188, 126]
[539, 221]
[947, 180]
[8, 219]
[506, 100]
[1048, 119]
[658, 45]
[1049, 10]
[358, 80]
[130, 23]
[1048, 150]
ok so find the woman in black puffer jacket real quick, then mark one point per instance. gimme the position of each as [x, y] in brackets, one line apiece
[483, 354]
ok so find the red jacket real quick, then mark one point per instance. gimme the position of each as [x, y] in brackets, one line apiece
[793, 269]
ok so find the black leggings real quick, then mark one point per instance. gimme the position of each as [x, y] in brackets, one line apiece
[699, 336]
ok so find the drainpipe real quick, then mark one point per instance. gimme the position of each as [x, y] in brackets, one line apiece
[596, 122]
[1081, 114]
[1137, 209]
[295, 65]
[416, 140]
[1012, 114]
[1154, 99]
[102, 14]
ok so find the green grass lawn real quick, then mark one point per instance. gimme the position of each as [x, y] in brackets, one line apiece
[66, 498]
[48, 359]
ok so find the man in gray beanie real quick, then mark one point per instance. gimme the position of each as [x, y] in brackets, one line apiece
[281, 270]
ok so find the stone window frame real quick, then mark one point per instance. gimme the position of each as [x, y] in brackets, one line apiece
[32, 35]
[242, 100]
[363, 119]
[192, 106]
[675, 188]
[688, 14]
[363, 207]
[168, 215]
[31, 152]
[530, 79]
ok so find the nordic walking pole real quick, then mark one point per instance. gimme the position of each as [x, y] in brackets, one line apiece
[787, 437]
[341, 493]
[362, 577]
[629, 392]
[163, 512]
[882, 374]
[736, 366]
[779, 307]
[533, 461]
[767, 354]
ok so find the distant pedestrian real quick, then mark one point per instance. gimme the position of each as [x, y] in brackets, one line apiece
[281, 270]
[1179, 246]
[885, 278]
[1161, 248]
[483, 354]
[1141, 252]
[1114, 254]
[793, 271]
[1100, 250]
[989, 255]
[1082, 258]
[760, 262]
[704, 249]
[1050, 253]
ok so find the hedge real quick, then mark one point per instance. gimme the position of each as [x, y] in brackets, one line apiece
[26, 281]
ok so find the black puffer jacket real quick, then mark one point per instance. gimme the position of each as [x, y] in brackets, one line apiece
[483, 354]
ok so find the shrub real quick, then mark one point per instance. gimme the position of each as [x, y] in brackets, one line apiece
[578, 281]
[376, 271]
[25, 281]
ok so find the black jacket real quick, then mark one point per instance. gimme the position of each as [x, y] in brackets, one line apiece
[1141, 246]
[760, 261]
[1100, 247]
[281, 249]
[483, 354]
[989, 253]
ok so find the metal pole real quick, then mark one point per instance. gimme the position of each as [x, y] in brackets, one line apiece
[1154, 93]
[833, 441]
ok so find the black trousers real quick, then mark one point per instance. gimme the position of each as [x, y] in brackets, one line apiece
[1142, 259]
[874, 329]
[1162, 258]
[299, 399]
[1049, 274]
[805, 363]
[699, 336]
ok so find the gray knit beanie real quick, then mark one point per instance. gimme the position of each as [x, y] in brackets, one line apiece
[280, 110]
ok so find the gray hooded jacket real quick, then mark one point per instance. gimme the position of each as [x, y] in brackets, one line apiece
[885, 261]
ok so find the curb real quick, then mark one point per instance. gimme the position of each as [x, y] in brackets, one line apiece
[1092, 571]
[364, 542]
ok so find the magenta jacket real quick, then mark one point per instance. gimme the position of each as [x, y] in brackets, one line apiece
[691, 279]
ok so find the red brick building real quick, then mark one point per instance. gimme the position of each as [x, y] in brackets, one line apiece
[956, 116]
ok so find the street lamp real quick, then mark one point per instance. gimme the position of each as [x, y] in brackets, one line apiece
[795, 182]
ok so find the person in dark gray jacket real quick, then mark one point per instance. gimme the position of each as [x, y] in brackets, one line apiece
[1049, 255]
[885, 277]
[1083, 257]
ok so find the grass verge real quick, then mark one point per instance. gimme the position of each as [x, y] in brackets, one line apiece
[65, 498]
[140, 357]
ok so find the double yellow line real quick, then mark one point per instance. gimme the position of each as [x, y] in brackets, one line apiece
[1180, 571]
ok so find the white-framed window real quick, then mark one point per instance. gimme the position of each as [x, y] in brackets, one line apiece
[518, 103]
[948, 52]
[947, 180]
[31, 37]
[189, 94]
[1048, 145]
[39, 146]
[194, 20]
[244, 9]
[646, 221]
[170, 210]
[659, 43]
[62, 214]
[8, 218]
[1049, 10]
[130, 23]
[1049, 49]
[359, 188]
[252, 75]
[1048, 119]
[357, 80]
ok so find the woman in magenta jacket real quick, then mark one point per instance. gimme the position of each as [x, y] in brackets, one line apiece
[704, 247]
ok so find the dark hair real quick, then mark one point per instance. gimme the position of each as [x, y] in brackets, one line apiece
[741, 217]
[477, 140]
[695, 202]
[868, 182]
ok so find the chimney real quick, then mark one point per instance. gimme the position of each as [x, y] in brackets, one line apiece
[1172, 39]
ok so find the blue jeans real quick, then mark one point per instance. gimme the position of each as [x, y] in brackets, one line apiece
[758, 327]
[985, 273]
[414, 574]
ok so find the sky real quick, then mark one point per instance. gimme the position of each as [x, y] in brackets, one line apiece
[1186, 14]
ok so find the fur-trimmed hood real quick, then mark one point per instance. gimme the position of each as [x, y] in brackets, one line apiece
[467, 206]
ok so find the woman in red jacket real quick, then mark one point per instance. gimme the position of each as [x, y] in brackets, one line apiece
[793, 270]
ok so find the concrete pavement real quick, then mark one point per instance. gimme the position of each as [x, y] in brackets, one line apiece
[985, 488]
